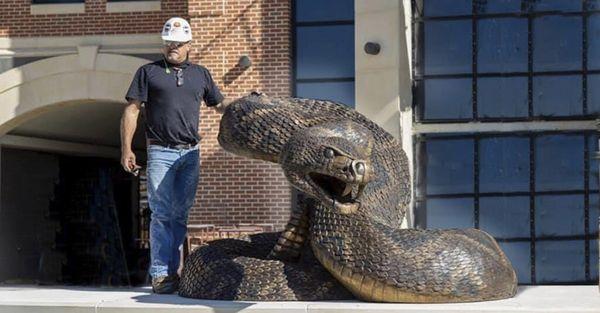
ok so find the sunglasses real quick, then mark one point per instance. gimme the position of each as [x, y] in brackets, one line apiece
[179, 75]
[174, 44]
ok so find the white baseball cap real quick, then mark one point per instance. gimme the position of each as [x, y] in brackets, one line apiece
[177, 29]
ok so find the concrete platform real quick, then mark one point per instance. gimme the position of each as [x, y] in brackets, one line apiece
[33, 299]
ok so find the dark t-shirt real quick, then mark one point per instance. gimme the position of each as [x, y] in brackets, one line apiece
[173, 112]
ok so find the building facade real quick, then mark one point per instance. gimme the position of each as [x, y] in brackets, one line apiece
[65, 67]
[494, 102]
[497, 102]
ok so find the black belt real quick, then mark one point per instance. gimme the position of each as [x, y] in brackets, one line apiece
[171, 145]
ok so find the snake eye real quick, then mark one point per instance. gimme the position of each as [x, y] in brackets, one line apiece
[360, 168]
[329, 153]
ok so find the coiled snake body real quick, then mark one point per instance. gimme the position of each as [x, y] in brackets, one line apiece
[344, 239]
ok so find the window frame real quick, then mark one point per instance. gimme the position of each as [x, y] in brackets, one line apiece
[294, 46]
[33, 2]
[477, 127]
[421, 195]
[418, 60]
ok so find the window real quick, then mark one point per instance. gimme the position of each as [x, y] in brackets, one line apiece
[324, 50]
[121, 6]
[55, 1]
[45, 7]
[520, 63]
[521, 49]
[533, 189]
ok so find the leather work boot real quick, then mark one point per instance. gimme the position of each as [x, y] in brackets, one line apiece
[165, 284]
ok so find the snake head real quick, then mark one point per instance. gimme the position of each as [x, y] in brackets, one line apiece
[331, 162]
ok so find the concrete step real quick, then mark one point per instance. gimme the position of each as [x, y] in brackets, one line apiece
[33, 299]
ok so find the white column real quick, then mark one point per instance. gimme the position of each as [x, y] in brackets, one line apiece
[383, 82]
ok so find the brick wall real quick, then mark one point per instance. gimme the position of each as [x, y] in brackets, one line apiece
[232, 190]
[16, 20]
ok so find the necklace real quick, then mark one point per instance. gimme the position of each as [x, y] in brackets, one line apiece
[178, 73]
[167, 70]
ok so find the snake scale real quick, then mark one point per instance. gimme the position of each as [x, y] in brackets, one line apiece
[343, 239]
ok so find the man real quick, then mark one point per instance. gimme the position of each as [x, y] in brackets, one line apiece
[170, 91]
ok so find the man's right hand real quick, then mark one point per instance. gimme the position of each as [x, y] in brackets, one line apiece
[128, 161]
[128, 125]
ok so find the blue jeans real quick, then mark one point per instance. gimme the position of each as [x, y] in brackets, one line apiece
[172, 182]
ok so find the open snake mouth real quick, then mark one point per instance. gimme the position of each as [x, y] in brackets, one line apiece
[343, 195]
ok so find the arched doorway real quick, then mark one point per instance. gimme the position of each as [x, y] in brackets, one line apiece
[68, 213]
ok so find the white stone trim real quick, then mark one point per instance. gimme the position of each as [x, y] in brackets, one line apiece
[34, 299]
[476, 127]
[30, 90]
[57, 8]
[383, 86]
[59, 146]
[132, 6]
[42, 46]
[87, 56]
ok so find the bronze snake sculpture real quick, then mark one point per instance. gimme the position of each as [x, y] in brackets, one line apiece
[344, 239]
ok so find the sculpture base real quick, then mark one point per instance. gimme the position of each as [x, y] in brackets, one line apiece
[78, 299]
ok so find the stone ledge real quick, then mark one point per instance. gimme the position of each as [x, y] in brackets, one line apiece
[132, 6]
[78, 299]
[58, 8]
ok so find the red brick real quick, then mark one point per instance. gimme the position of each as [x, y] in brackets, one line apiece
[232, 189]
